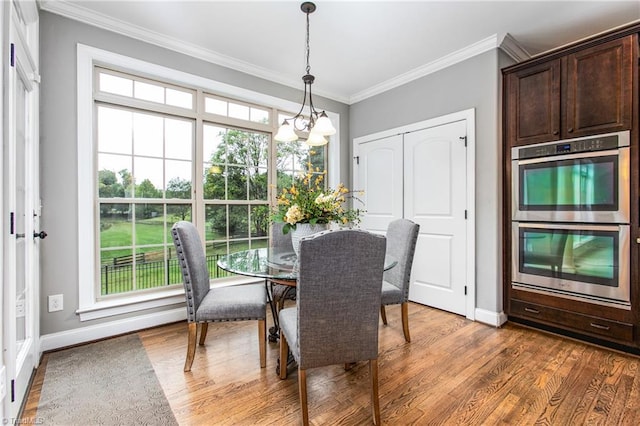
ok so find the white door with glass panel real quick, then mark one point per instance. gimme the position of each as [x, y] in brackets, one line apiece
[21, 207]
[421, 175]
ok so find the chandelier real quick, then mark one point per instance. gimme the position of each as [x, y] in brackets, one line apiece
[317, 124]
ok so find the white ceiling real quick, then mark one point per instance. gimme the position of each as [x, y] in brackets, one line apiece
[358, 48]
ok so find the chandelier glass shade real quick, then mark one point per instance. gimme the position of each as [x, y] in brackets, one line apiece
[316, 123]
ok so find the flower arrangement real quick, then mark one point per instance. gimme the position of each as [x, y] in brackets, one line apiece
[308, 201]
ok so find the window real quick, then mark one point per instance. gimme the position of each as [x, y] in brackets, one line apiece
[168, 146]
[144, 185]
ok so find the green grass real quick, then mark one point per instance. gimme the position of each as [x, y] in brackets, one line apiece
[150, 274]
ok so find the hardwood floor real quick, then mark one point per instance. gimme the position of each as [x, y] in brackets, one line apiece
[454, 371]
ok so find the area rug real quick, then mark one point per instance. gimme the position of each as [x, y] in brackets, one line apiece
[110, 382]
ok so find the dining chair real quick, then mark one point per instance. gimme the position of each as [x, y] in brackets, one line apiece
[206, 304]
[402, 236]
[281, 242]
[335, 320]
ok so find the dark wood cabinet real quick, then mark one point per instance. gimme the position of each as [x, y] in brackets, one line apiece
[584, 89]
[598, 95]
[533, 104]
[580, 94]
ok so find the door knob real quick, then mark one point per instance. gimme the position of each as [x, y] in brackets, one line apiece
[40, 234]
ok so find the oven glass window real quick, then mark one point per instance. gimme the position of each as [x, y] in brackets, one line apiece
[574, 184]
[578, 255]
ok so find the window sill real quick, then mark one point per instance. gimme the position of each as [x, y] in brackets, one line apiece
[140, 302]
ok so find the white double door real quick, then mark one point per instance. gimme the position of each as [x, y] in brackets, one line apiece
[421, 175]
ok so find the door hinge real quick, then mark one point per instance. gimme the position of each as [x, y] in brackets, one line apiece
[465, 290]
[13, 390]
[465, 214]
[13, 55]
[11, 221]
[357, 160]
[464, 138]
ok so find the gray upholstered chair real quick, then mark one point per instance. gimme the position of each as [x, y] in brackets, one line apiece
[402, 236]
[205, 304]
[324, 329]
[281, 242]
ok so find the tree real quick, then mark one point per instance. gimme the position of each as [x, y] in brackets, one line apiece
[108, 185]
[179, 188]
[147, 189]
[238, 171]
[127, 182]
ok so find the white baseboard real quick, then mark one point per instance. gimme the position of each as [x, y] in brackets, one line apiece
[495, 319]
[113, 328]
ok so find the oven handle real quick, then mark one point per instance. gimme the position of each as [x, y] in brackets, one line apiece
[589, 154]
[580, 227]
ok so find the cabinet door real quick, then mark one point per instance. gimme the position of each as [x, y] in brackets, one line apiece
[533, 104]
[599, 88]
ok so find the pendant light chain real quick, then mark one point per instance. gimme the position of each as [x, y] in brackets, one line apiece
[308, 49]
[318, 124]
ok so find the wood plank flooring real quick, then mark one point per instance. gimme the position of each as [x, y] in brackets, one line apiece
[454, 371]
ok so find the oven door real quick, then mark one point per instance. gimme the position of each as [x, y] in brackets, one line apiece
[588, 261]
[584, 187]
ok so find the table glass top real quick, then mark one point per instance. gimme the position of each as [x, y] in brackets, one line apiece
[269, 262]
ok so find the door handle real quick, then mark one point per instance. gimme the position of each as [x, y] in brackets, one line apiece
[40, 234]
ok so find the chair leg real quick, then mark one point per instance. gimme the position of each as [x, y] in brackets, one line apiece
[302, 389]
[191, 345]
[284, 355]
[262, 337]
[405, 321]
[383, 314]
[204, 327]
[375, 402]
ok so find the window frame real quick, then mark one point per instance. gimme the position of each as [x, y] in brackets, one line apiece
[89, 307]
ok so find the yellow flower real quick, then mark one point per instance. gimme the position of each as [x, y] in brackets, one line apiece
[293, 215]
[306, 200]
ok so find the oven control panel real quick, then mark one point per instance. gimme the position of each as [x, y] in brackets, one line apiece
[572, 146]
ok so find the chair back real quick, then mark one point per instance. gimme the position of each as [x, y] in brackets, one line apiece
[338, 297]
[279, 240]
[193, 263]
[402, 236]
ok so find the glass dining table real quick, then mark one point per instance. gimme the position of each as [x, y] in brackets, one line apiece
[271, 263]
[275, 265]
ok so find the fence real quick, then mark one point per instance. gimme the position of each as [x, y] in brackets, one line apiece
[118, 277]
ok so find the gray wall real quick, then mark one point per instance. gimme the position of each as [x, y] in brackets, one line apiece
[474, 83]
[58, 39]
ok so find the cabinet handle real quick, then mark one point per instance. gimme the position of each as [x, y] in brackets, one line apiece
[533, 311]
[555, 133]
[601, 327]
[570, 129]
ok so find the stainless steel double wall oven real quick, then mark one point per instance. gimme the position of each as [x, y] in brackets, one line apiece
[570, 218]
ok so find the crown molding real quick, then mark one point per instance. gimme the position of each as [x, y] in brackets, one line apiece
[513, 48]
[84, 15]
[76, 12]
[463, 54]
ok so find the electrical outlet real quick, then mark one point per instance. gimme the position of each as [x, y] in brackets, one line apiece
[55, 303]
